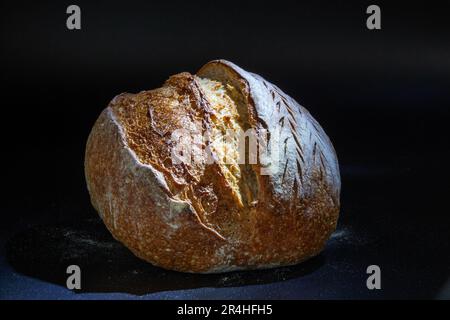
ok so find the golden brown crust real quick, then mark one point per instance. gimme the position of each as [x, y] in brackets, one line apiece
[185, 217]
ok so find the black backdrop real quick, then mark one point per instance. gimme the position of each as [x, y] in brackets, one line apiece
[382, 96]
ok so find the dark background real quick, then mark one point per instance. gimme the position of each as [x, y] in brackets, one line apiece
[382, 96]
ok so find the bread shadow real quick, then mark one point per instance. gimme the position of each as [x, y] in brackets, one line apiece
[45, 252]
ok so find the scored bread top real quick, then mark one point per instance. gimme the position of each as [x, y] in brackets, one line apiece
[196, 105]
[306, 150]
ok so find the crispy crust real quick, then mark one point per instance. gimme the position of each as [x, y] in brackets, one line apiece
[185, 218]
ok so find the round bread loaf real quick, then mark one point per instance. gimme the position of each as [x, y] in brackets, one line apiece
[225, 211]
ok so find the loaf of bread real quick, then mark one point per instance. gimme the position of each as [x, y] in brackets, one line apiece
[219, 212]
